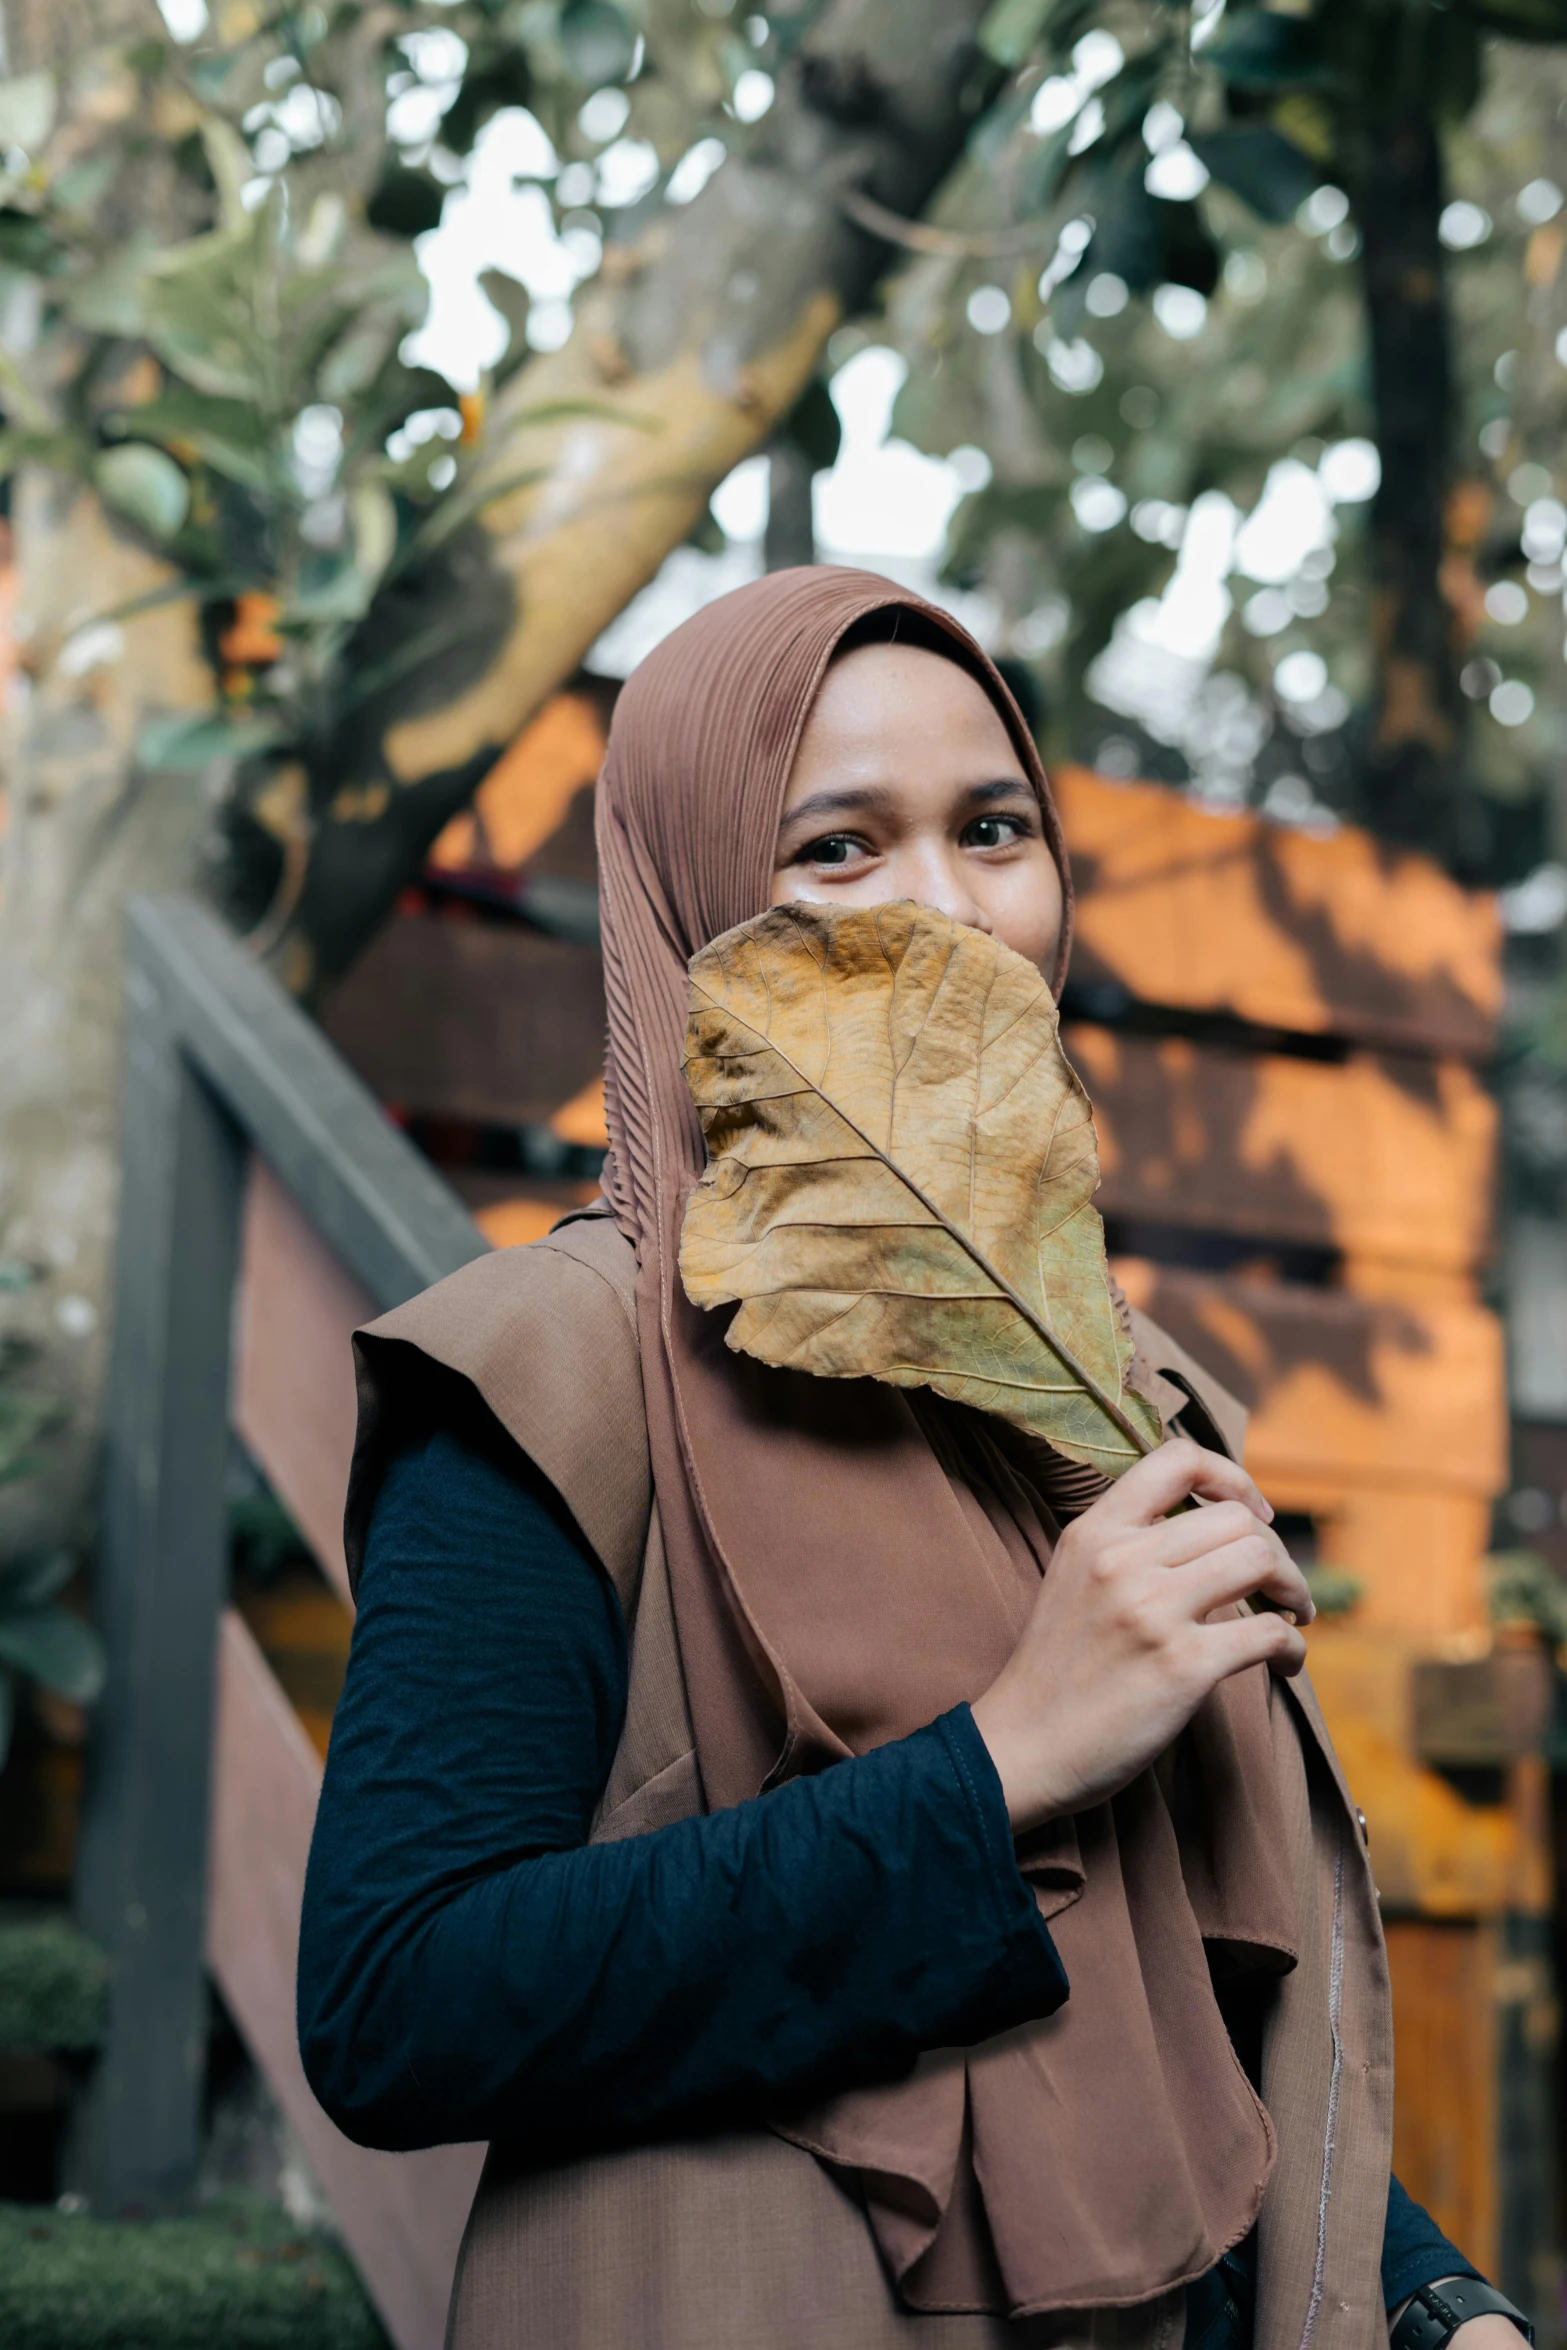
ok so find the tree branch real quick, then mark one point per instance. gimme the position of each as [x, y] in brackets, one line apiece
[696, 338]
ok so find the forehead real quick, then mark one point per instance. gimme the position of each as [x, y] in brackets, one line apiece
[888, 695]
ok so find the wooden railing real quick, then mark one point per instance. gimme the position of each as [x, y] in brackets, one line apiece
[268, 1206]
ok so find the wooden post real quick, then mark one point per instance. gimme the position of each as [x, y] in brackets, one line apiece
[159, 1585]
[217, 1058]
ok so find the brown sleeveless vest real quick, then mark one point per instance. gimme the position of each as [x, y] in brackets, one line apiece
[744, 2242]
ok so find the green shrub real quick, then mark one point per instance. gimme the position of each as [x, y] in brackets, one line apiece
[39, 1640]
[1524, 1590]
[239, 2276]
[53, 1988]
[1333, 1592]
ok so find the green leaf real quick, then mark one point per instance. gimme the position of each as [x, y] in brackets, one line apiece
[28, 103]
[1524, 20]
[19, 399]
[1191, 258]
[995, 130]
[145, 485]
[373, 519]
[597, 41]
[1257, 49]
[183, 745]
[225, 434]
[344, 321]
[7, 1713]
[31, 1581]
[502, 78]
[1009, 29]
[107, 301]
[405, 203]
[1258, 164]
[1127, 98]
[82, 187]
[1043, 171]
[1128, 242]
[202, 314]
[351, 368]
[209, 74]
[263, 1530]
[15, 1276]
[55, 1648]
[23, 1420]
[148, 58]
[331, 591]
[228, 159]
[27, 244]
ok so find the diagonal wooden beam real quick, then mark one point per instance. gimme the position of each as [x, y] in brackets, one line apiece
[401, 2215]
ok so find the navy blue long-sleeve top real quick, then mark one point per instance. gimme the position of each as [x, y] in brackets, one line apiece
[470, 1967]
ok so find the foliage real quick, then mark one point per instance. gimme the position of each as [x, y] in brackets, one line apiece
[240, 2273]
[1523, 1590]
[1147, 425]
[54, 1985]
[39, 1640]
[263, 1536]
[240, 389]
[1333, 1592]
[215, 247]
[1199, 323]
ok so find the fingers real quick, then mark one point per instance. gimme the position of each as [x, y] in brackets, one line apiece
[1239, 1642]
[1170, 1475]
[1196, 1534]
[1258, 1562]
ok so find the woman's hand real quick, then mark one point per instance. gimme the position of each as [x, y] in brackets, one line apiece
[1120, 1651]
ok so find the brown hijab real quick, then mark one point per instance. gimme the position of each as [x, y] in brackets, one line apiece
[849, 1561]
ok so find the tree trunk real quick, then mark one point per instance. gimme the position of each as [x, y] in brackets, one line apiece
[1412, 767]
[86, 830]
[697, 337]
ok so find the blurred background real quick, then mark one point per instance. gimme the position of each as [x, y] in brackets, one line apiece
[379, 381]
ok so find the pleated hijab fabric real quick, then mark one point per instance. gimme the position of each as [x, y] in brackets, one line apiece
[849, 1561]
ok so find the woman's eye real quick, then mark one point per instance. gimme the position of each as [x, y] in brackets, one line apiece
[834, 848]
[993, 832]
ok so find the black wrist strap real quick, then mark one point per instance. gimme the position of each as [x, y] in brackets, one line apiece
[1435, 2313]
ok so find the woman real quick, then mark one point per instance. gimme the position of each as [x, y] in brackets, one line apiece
[846, 1931]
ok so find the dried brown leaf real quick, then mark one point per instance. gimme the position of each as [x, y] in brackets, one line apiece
[901, 1166]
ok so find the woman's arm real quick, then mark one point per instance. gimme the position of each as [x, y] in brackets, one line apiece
[1415, 2252]
[470, 1968]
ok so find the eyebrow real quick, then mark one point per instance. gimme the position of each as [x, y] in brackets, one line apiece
[874, 795]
